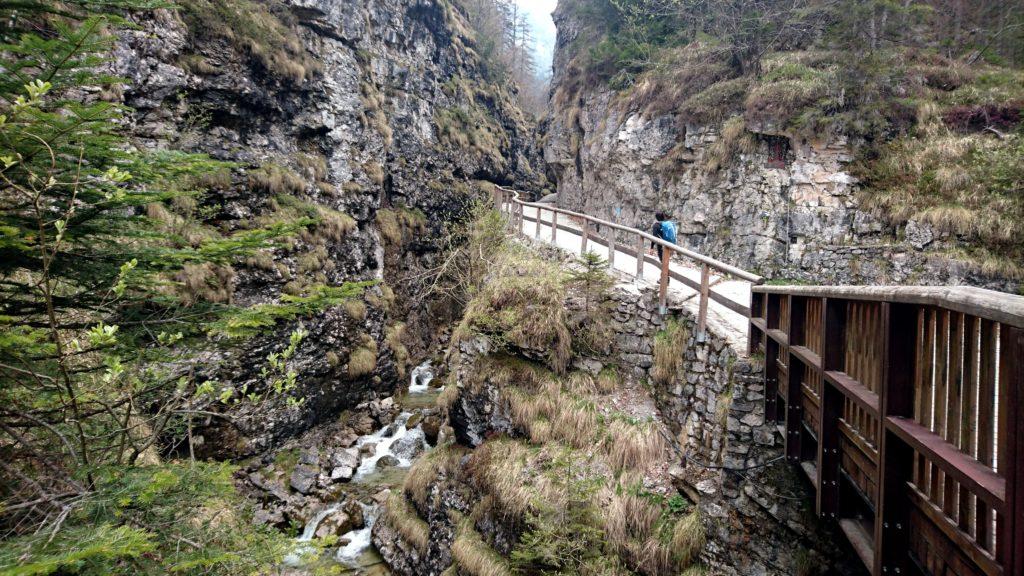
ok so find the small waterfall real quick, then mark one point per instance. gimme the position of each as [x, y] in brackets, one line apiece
[392, 440]
[395, 440]
[358, 540]
[419, 380]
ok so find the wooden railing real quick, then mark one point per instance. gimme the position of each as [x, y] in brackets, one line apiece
[905, 408]
[508, 202]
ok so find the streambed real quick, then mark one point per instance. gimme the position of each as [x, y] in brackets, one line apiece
[385, 458]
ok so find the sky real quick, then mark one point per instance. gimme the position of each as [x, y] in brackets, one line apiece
[539, 16]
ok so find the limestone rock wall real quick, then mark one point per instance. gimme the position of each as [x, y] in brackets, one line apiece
[780, 205]
[363, 124]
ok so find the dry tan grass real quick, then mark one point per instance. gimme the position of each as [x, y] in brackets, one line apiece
[363, 360]
[205, 282]
[627, 518]
[669, 348]
[441, 460]
[277, 180]
[575, 423]
[607, 381]
[580, 384]
[634, 446]
[474, 556]
[447, 398]
[400, 515]
[355, 309]
[393, 337]
[688, 538]
[523, 306]
[501, 465]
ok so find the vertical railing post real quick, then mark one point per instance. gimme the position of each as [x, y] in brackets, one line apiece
[833, 348]
[611, 248]
[639, 257]
[586, 233]
[794, 388]
[519, 219]
[1011, 440]
[536, 231]
[705, 288]
[666, 256]
[497, 198]
[554, 226]
[895, 458]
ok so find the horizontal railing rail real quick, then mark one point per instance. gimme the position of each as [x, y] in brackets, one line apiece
[508, 201]
[904, 405]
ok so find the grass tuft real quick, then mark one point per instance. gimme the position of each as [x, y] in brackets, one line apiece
[400, 515]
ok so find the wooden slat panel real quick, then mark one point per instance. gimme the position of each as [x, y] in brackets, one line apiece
[978, 478]
[941, 546]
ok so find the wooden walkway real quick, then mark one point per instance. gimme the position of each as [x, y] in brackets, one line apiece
[903, 405]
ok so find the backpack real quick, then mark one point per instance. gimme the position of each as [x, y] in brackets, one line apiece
[668, 231]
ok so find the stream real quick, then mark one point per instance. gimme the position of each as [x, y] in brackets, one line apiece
[402, 446]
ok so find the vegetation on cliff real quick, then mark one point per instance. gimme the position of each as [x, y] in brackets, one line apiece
[572, 489]
[930, 94]
[116, 291]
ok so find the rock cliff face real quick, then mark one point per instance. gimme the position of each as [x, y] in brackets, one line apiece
[757, 197]
[363, 113]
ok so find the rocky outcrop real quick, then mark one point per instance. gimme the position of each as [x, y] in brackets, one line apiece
[725, 457]
[346, 109]
[767, 200]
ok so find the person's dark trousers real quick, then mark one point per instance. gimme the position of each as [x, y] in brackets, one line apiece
[660, 249]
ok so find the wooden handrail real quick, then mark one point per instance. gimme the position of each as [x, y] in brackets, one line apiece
[998, 306]
[713, 263]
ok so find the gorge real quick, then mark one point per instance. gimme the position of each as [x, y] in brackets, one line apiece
[267, 309]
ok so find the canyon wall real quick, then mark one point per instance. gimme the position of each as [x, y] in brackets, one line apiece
[376, 118]
[783, 203]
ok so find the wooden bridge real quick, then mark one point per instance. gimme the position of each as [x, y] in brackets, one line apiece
[903, 406]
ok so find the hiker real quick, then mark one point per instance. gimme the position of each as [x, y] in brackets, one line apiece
[665, 229]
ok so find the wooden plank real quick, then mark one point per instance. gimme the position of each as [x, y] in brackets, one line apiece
[939, 408]
[986, 420]
[702, 312]
[963, 542]
[979, 479]
[1011, 441]
[855, 391]
[807, 356]
[900, 364]
[860, 541]
[954, 401]
[968, 424]
[779, 336]
[663, 281]
[771, 382]
[639, 256]
[611, 248]
[554, 226]
[997, 306]
[923, 390]
[584, 236]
